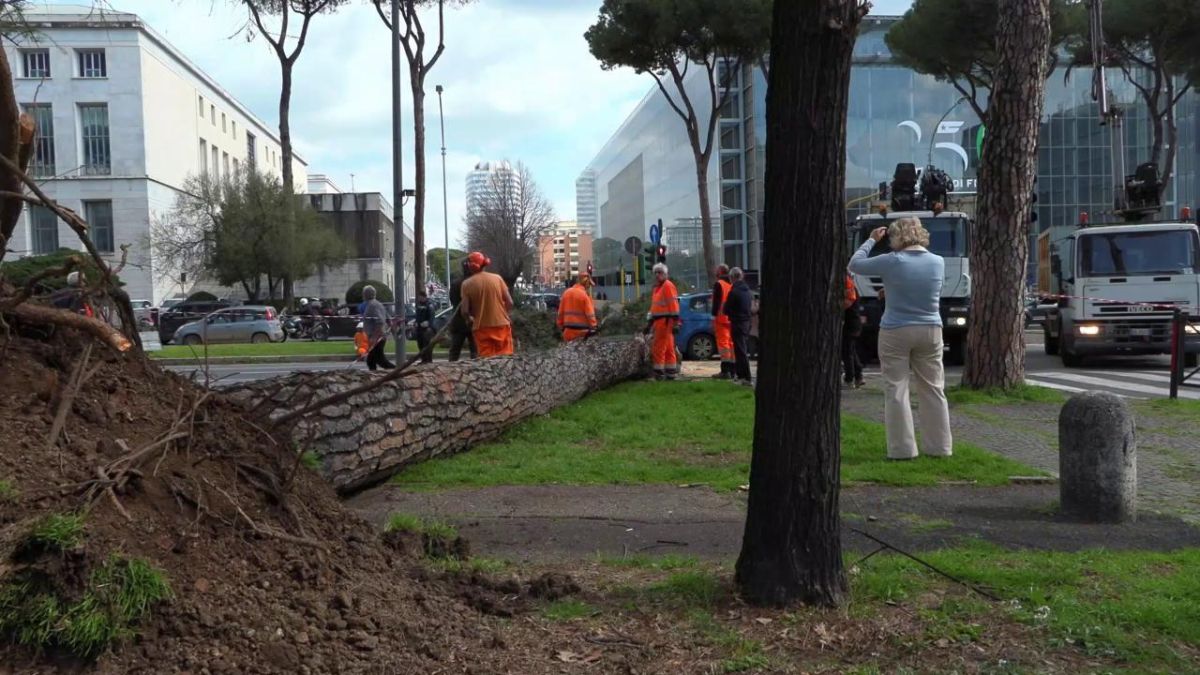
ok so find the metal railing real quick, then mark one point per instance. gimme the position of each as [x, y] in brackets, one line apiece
[1181, 325]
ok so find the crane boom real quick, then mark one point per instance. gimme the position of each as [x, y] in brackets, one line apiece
[1110, 116]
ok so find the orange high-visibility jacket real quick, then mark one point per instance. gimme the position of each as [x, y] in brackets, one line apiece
[360, 343]
[718, 304]
[665, 303]
[575, 309]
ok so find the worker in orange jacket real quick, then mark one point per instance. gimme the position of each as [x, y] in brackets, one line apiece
[722, 329]
[485, 305]
[576, 313]
[665, 322]
[361, 344]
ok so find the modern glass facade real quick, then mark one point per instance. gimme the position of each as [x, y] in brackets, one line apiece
[895, 116]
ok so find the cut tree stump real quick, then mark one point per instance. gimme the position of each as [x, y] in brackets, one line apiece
[437, 408]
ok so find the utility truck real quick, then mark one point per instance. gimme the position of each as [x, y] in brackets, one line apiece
[920, 194]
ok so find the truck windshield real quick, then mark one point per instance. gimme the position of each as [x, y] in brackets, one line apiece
[1134, 253]
[947, 236]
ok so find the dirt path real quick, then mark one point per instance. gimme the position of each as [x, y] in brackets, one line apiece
[549, 523]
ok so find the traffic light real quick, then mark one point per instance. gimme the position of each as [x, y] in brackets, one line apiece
[661, 253]
[589, 268]
[648, 251]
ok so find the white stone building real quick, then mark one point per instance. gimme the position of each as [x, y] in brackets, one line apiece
[124, 118]
[484, 179]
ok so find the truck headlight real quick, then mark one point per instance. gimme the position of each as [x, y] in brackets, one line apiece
[1191, 330]
[956, 321]
[1089, 330]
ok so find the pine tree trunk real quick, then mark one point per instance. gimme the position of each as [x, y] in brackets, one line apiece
[437, 409]
[418, 91]
[285, 155]
[10, 145]
[995, 339]
[791, 550]
[706, 229]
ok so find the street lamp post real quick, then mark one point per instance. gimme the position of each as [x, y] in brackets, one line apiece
[398, 187]
[933, 136]
[445, 214]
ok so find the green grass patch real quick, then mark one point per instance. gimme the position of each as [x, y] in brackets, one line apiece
[743, 654]
[917, 523]
[694, 589]
[1024, 393]
[7, 492]
[57, 531]
[568, 610]
[1180, 409]
[404, 522]
[440, 530]
[289, 348]
[481, 565]
[311, 460]
[1138, 607]
[118, 595]
[618, 437]
[663, 563]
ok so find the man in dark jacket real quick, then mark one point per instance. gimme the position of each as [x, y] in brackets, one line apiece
[738, 307]
[459, 331]
[424, 328]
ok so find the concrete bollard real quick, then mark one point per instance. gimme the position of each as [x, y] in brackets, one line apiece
[1097, 459]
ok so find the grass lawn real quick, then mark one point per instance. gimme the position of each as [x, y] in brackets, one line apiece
[1026, 393]
[289, 348]
[618, 436]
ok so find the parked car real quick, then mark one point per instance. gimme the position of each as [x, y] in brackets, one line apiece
[696, 339]
[145, 312]
[185, 312]
[1036, 310]
[248, 323]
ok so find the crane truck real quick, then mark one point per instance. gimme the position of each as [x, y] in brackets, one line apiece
[920, 194]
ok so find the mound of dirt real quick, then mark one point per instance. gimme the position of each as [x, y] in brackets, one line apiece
[269, 572]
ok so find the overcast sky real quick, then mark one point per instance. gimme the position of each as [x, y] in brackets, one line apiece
[519, 83]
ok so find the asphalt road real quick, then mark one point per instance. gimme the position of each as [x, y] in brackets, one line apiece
[1132, 377]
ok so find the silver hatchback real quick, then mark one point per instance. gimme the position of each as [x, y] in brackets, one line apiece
[248, 323]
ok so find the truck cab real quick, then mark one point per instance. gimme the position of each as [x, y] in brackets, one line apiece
[949, 237]
[1118, 287]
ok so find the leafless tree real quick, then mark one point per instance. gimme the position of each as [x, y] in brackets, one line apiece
[183, 237]
[507, 221]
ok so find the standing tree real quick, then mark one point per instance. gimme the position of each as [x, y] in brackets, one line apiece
[413, 39]
[436, 259]
[286, 10]
[1160, 58]
[664, 38]
[998, 56]
[791, 550]
[506, 223]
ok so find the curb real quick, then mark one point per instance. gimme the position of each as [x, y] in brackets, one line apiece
[240, 360]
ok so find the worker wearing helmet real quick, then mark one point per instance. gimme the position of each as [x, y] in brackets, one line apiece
[361, 344]
[576, 313]
[665, 322]
[485, 305]
[722, 329]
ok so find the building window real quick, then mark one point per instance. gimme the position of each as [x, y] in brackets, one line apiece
[233, 123]
[35, 63]
[223, 127]
[216, 156]
[45, 230]
[97, 158]
[237, 168]
[42, 162]
[250, 156]
[203, 156]
[212, 113]
[200, 102]
[225, 163]
[92, 63]
[100, 220]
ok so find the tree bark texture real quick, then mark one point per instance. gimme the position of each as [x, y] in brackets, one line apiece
[995, 345]
[16, 139]
[791, 550]
[710, 253]
[285, 153]
[439, 408]
[418, 92]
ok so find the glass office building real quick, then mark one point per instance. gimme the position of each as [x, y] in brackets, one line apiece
[646, 172]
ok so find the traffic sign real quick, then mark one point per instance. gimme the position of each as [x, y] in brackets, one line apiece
[629, 277]
[655, 234]
[633, 245]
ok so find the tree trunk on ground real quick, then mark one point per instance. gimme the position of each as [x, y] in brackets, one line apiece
[995, 344]
[437, 409]
[791, 550]
[285, 154]
[418, 92]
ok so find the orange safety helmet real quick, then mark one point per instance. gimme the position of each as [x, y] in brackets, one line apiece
[476, 261]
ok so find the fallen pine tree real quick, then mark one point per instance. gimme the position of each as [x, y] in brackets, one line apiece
[432, 409]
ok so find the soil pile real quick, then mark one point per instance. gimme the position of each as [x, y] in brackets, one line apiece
[268, 571]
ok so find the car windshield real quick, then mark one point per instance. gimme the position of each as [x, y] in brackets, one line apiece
[1133, 253]
[947, 235]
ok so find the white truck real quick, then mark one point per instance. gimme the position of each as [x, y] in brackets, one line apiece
[949, 237]
[1117, 288]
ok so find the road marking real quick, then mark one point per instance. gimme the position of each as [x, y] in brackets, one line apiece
[1053, 385]
[1114, 384]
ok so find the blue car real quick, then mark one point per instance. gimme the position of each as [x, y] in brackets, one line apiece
[695, 338]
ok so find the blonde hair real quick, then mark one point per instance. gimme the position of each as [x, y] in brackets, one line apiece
[907, 232]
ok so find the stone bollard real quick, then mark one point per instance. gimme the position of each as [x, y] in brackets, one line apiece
[1097, 459]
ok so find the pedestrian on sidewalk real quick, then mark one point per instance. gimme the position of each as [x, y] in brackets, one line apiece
[721, 328]
[486, 303]
[375, 324]
[460, 332]
[852, 370]
[739, 308]
[424, 327]
[910, 337]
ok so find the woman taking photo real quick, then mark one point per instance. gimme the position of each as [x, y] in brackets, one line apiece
[910, 337]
